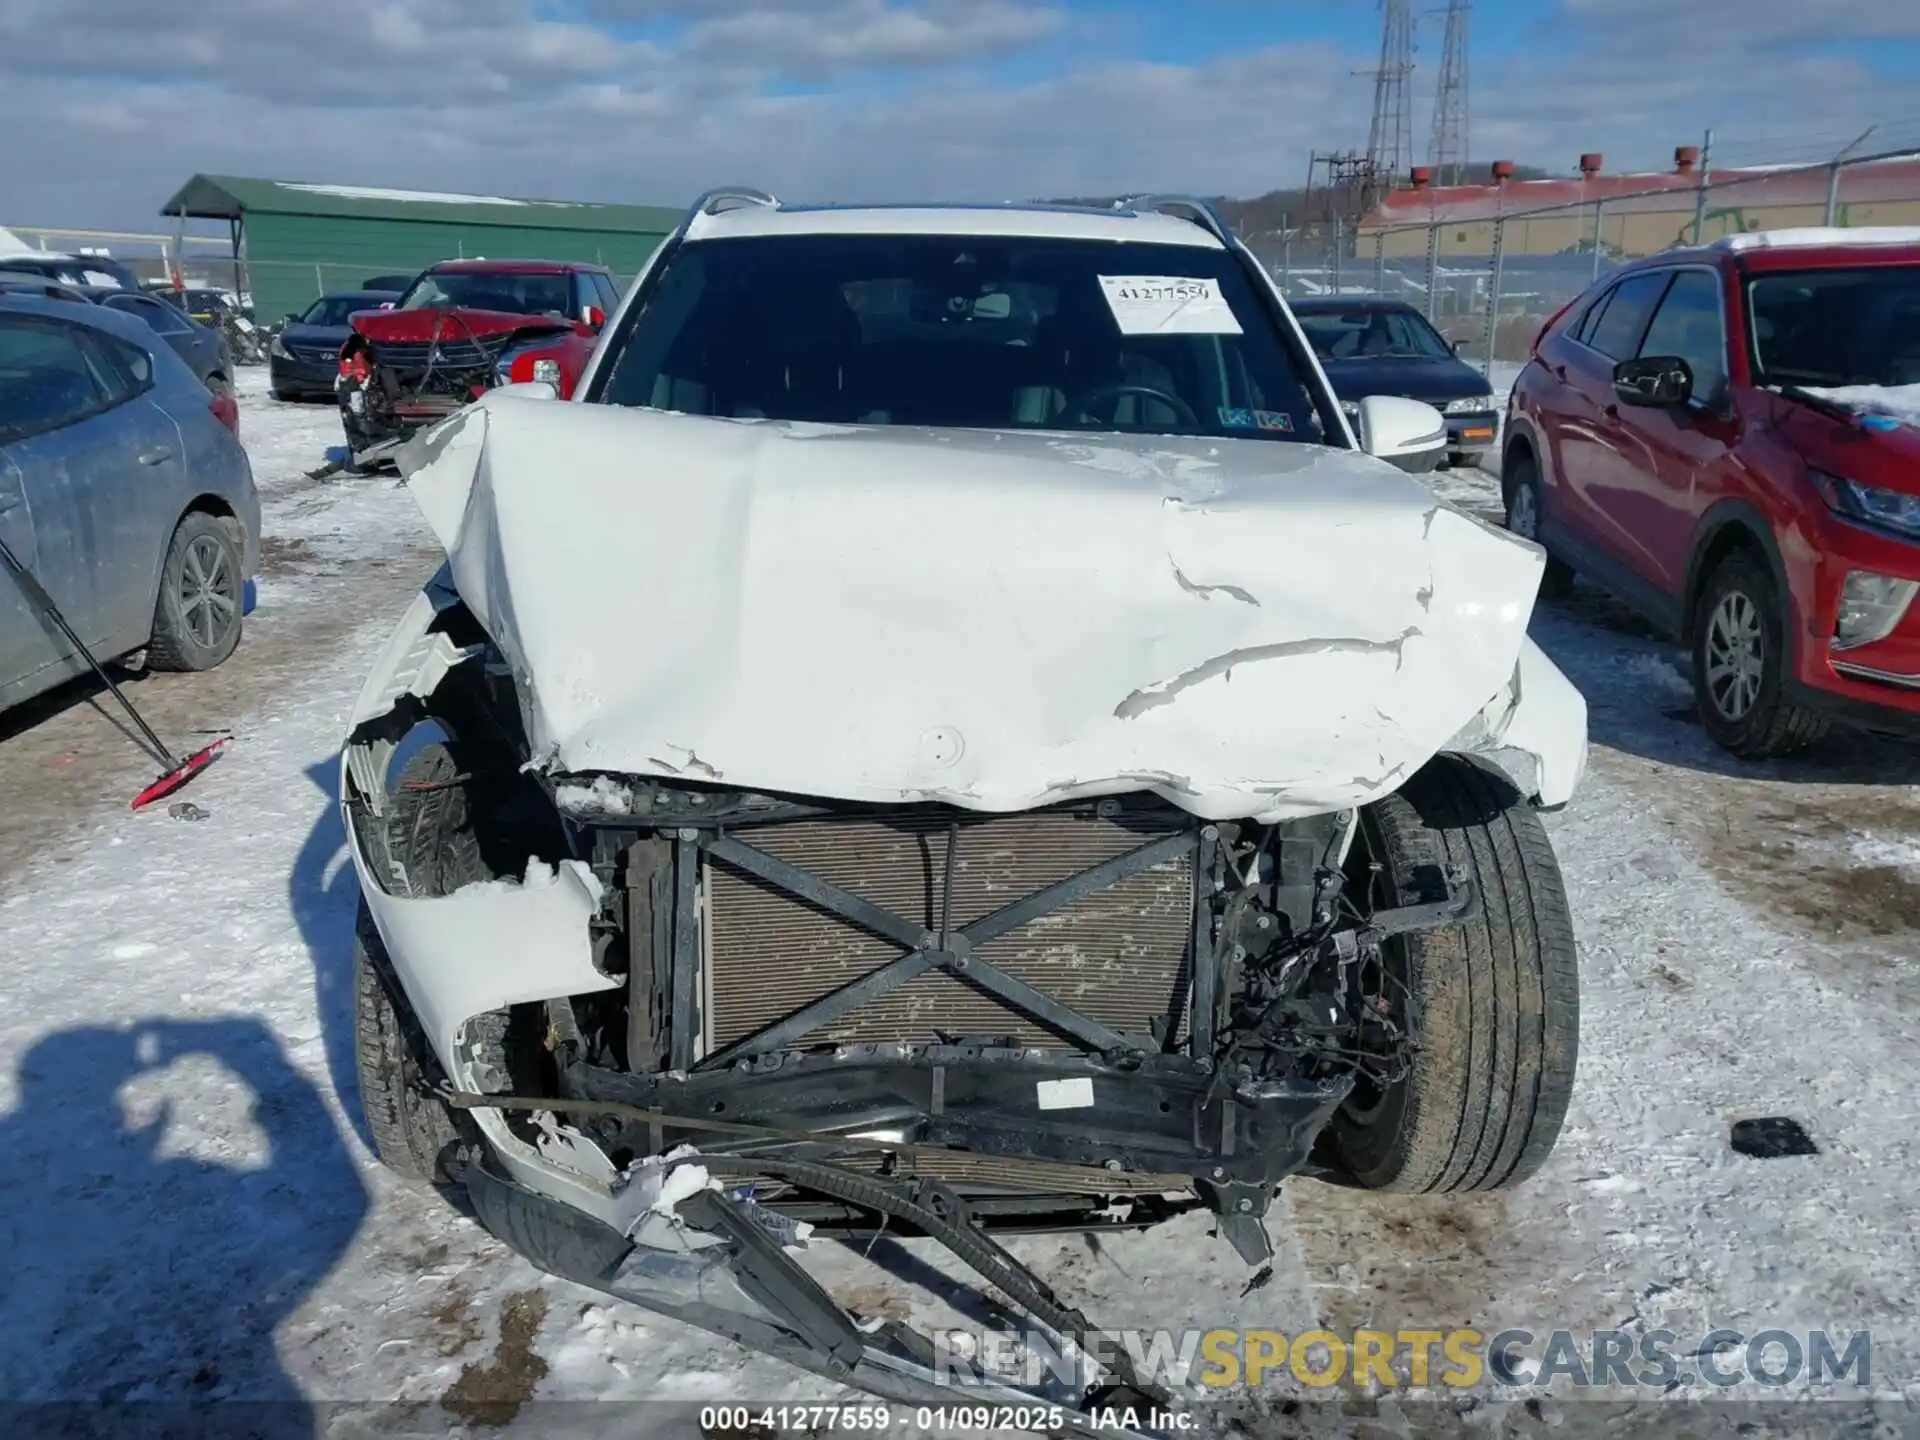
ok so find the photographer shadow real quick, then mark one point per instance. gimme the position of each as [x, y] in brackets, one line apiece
[177, 1190]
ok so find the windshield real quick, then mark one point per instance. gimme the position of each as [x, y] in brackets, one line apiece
[1836, 327]
[491, 290]
[1364, 333]
[980, 332]
[334, 309]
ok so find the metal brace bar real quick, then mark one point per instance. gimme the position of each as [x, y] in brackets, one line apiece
[684, 1021]
[1463, 903]
[1042, 1007]
[773, 1278]
[828, 1007]
[1100, 877]
[823, 893]
[1205, 964]
[921, 955]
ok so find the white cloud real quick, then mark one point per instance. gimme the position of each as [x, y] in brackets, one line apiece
[488, 96]
[814, 40]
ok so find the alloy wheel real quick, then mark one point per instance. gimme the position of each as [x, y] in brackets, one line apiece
[209, 597]
[1736, 655]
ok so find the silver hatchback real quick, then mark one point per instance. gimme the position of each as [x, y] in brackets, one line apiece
[124, 490]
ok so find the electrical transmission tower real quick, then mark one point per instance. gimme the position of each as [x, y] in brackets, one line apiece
[1390, 139]
[1447, 150]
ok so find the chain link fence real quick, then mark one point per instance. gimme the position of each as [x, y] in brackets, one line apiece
[1490, 270]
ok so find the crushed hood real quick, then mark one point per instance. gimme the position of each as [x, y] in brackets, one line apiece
[449, 323]
[995, 620]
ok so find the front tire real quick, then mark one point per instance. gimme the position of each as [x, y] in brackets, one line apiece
[1523, 494]
[414, 1132]
[197, 617]
[431, 834]
[1494, 1000]
[1740, 664]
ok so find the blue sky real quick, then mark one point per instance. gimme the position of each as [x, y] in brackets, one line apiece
[652, 100]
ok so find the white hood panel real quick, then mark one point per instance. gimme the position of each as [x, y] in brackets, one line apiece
[995, 620]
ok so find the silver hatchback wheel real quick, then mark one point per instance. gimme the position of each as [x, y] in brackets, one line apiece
[209, 590]
[1736, 655]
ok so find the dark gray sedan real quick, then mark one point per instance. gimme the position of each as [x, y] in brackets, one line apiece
[305, 356]
[124, 489]
[203, 348]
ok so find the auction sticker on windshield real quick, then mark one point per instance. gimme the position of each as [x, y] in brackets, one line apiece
[1168, 305]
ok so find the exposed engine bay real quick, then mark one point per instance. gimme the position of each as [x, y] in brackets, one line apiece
[712, 901]
[852, 1016]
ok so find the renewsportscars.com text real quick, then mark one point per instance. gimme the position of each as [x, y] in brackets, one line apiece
[1462, 1358]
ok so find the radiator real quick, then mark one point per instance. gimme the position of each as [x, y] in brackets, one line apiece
[1118, 955]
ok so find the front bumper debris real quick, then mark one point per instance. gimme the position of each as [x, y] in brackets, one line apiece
[722, 1266]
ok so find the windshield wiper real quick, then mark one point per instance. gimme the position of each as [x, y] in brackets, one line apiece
[1817, 402]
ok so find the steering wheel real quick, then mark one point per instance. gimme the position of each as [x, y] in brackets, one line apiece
[1082, 405]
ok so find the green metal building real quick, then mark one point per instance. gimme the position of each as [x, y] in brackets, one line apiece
[293, 242]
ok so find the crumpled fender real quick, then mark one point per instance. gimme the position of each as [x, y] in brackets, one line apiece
[1539, 714]
[484, 947]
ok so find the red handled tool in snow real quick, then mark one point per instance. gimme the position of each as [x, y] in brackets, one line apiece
[178, 772]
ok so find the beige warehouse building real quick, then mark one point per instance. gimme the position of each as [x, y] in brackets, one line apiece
[1633, 214]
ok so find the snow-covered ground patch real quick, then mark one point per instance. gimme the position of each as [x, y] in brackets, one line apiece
[193, 1212]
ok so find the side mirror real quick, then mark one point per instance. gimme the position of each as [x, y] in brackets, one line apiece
[1654, 382]
[596, 317]
[386, 304]
[1408, 433]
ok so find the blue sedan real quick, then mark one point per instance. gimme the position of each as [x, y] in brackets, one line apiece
[124, 490]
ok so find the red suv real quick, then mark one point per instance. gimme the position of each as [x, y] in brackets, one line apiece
[1728, 439]
[458, 331]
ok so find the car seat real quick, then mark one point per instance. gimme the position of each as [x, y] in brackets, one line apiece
[813, 338]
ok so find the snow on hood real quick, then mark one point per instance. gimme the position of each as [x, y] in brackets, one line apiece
[1899, 403]
[995, 620]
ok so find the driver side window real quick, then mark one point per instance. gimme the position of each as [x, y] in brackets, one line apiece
[1688, 324]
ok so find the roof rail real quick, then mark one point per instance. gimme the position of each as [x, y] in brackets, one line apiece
[732, 197]
[1186, 207]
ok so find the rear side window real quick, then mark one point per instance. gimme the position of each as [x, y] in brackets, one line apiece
[163, 318]
[123, 370]
[1615, 331]
[50, 376]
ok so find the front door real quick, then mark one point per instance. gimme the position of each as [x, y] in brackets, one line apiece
[1601, 457]
[91, 450]
[1661, 500]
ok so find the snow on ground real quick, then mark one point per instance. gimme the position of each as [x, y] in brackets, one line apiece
[194, 1214]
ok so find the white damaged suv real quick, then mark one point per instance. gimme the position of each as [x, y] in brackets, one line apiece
[950, 730]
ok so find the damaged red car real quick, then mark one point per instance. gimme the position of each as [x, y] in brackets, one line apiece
[456, 333]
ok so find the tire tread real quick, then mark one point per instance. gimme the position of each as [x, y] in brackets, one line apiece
[1498, 994]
